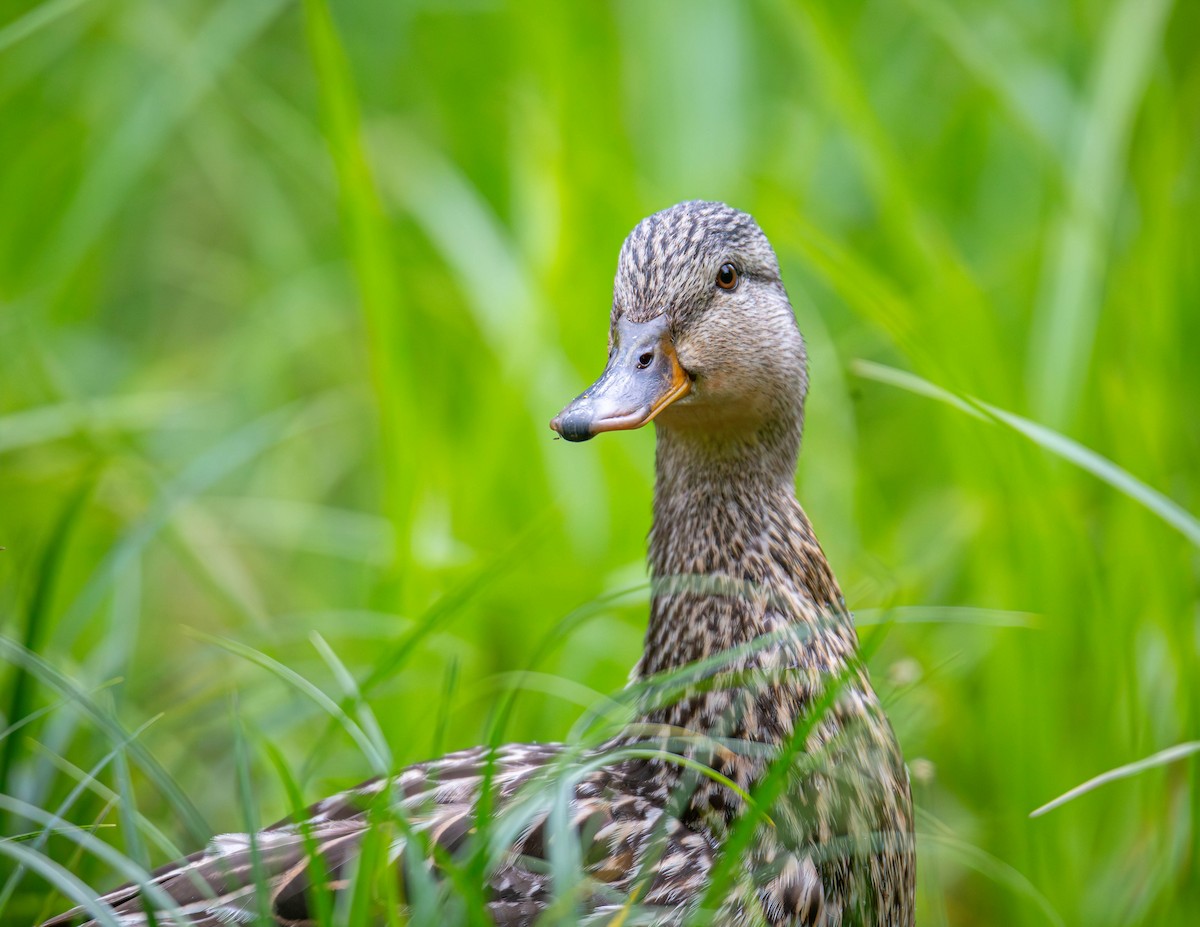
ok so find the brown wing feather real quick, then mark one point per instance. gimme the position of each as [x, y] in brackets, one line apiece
[628, 845]
[217, 885]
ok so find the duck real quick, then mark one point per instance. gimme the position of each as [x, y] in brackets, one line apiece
[757, 780]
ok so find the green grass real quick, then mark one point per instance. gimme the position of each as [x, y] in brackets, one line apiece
[288, 293]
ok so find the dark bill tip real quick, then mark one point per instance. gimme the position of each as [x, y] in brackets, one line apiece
[575, 426]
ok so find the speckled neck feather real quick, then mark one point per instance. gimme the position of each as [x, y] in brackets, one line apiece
[735, 568]
[728, 510]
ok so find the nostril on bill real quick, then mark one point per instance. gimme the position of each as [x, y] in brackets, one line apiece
[645, 360]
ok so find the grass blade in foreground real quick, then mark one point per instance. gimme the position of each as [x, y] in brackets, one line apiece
[112, 730]
[1058, 444]
[1162, 758]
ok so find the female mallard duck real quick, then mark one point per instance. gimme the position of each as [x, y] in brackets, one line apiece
[703, 342]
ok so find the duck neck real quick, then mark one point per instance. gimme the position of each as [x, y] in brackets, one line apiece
[732, 554]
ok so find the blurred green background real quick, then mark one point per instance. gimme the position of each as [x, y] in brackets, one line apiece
[288, 293]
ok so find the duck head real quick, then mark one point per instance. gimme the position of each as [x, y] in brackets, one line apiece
[702, 336]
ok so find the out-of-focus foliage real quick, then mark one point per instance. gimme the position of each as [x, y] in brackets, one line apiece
[287, 299]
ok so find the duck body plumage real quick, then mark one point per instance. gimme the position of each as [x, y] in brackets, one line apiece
[750, 668]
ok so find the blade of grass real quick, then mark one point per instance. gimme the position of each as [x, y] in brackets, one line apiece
[547, 683]
[127, 810]
[112, 729]
[377, 761]
[86, 780]
[203, 545]
[147, 125]
[128, 814]
[765, 793]
[986, 864]
[65, 882]
[946, 614]
[113, 799]
[505, 301]
[362, 711]
[37, 620]
[120, 863]
[50, 900]
[1162, 758]
[442, 610]
[323, 529]
[368, 234]
[824, 45]
[318, 896]
[248, 804]
[88, 416]
[371, 858]
[565, 852]
[1058, 444]
[226, 456]
[1102, 468]
[1071, 288]
[38, 18]
[49, 709]
[995, 72]
[449, 690]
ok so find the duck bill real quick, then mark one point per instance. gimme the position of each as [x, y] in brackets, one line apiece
[642, 378]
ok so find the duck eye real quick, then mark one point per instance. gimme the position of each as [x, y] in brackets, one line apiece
[727, 277]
